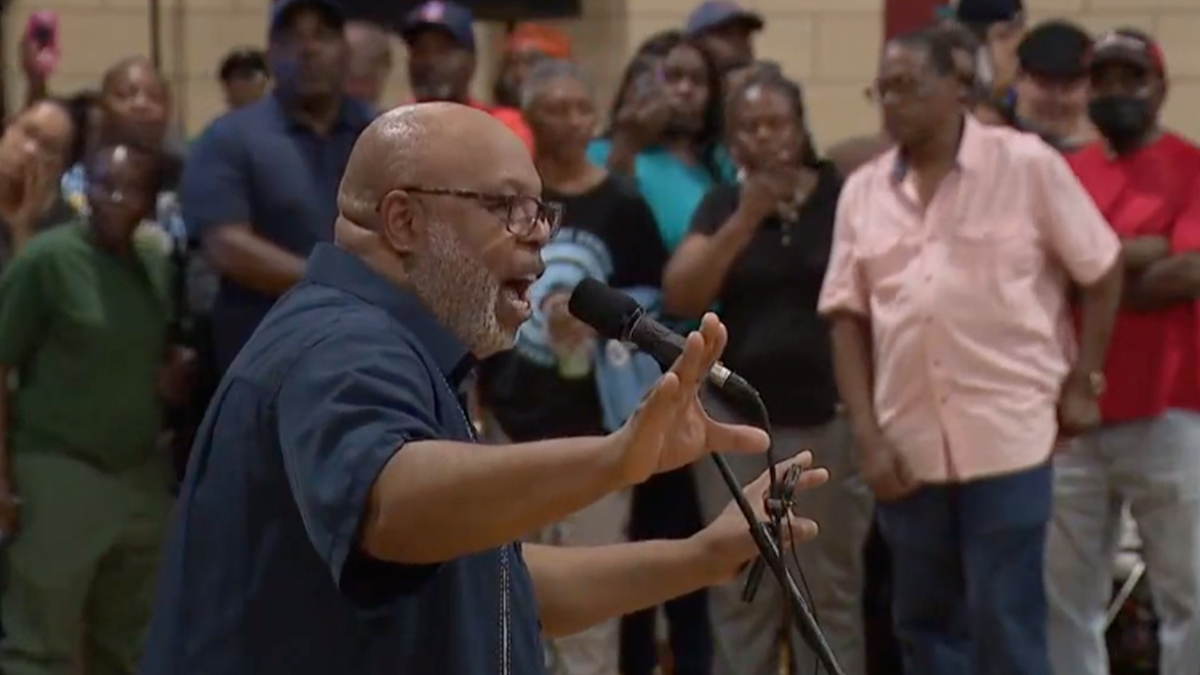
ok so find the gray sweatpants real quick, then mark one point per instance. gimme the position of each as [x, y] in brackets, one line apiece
[746, 635]
[1154, 465]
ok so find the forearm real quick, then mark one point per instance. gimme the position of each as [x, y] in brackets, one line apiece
[439, 500]
[580, 587]
[853, 370]
[252, 261]
[696, 273]
[1172, 280]
[1098, 305]
[622, 158]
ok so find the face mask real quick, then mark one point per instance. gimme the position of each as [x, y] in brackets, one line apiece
[1123, 120]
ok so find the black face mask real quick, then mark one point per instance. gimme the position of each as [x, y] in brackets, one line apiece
[1123, 120]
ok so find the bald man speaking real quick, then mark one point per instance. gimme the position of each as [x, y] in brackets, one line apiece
[338, 517]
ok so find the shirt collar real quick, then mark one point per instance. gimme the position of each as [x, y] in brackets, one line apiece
[970, 155]
[338, 268]
[353, 115]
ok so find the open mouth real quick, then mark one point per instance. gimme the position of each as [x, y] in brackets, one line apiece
[516, 292]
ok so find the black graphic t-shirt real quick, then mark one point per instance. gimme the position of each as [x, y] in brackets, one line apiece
[532, 401]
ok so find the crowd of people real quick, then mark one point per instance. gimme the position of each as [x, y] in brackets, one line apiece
[981, 321]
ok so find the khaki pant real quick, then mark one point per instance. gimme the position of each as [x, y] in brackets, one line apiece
[86, 556]
[746, 635]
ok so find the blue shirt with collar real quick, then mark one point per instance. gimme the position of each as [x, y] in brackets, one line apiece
[263, 574]
[260, 166]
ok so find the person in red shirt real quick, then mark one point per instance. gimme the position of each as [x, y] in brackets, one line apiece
[1146, 453]
[441, 61]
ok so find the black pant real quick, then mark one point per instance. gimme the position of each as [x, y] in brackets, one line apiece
[667, 507]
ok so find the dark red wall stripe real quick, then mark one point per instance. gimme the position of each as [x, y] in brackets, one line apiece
[901, 16]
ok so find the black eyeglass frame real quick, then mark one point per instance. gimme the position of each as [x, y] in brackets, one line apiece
[504, 206]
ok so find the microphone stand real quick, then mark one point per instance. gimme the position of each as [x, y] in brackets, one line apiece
[770, 548]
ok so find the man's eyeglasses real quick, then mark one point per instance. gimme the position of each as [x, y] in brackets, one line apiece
[521, 214]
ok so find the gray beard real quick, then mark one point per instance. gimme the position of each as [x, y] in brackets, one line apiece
[458, 289]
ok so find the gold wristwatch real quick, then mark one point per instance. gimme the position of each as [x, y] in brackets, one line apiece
[1097, 383]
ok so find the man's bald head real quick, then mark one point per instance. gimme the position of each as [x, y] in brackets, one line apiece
[443, 200]
[431, 145]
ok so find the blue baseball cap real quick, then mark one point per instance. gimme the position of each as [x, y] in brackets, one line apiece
[714, 13]
[448, 17]
[988, 11]
[282, 12]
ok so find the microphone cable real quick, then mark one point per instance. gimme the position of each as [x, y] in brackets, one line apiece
[779, 502]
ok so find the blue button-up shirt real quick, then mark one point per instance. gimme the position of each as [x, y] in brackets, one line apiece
[263, 573]
[259, 166]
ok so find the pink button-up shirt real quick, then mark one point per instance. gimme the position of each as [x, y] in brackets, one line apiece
[967, 298]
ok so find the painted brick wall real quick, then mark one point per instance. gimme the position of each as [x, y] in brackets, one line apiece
[829, 45]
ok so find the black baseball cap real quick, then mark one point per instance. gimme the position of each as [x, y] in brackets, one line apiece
[448, 17]
[988, 11]
[1055, 49]
[282, 12]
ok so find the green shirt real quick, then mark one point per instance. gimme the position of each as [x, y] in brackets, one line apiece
[85, 330]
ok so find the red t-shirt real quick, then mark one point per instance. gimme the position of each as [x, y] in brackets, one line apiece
[512, 118]
[1154, 357]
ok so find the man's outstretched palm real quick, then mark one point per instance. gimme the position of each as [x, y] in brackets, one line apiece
[671, 429]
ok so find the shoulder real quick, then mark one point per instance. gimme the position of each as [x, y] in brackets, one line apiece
[68, 237]
[340, 324]
[47, 250]
[236, 126]
[1182, 149]
[1016, 145]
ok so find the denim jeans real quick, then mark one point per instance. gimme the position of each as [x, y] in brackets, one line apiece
[967, 561]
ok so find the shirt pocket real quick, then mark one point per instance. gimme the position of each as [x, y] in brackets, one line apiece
[885, 256]
[993, 263]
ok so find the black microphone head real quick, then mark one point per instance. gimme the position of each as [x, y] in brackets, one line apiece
[605, 309]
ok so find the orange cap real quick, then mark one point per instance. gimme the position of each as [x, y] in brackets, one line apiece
[545, 39]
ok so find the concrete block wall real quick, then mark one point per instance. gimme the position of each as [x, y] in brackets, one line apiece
[829, 45]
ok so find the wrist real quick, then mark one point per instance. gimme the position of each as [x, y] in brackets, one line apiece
[1090, 381]
[611, 465]
[710, 558]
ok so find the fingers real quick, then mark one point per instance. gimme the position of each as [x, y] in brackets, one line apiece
[736, 438]
[657, 412]
[689, 367]
[759, 486]
[801, 529]
[903, 472]
[715, 336]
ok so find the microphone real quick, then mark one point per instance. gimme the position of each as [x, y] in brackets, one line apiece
[617, 316]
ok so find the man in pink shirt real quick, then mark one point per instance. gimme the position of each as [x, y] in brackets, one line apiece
[948, 293]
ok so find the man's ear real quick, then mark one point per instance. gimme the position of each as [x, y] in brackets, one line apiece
[401, 222]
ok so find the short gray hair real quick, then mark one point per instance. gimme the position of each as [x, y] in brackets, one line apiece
[543, 73]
